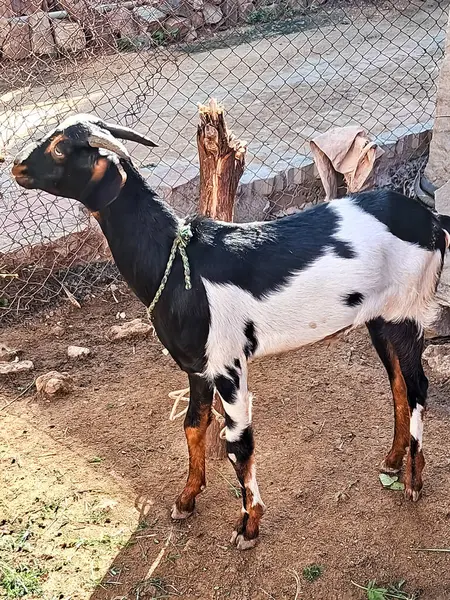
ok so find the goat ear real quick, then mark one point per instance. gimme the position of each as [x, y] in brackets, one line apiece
[108, 178]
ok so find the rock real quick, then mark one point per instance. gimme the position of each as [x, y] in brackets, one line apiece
[197, 20]
[245, 9]
[42, 41]
[26, 7]
[212, 14]
[8, 354]
[77, 352]
[177, 27]
[151, 18]
[54, 384]
[195, 4]
[57, 330]
[4, 30]
[438, 359]
[191, 35]
[6, 9]
[17, 44]
[135, 328]
[122, 22]
[18, 366]
[69, 36]
[91, 20]
[231, 11]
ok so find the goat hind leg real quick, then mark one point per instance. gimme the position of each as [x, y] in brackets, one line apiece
[240, 448]
[196, 423]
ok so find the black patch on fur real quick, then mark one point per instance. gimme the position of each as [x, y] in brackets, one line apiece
[234, 376]
[252, 343]
[242, 448]
[237, 363]
[343, 249]
[226, 388]
[406, 218]
[413, 447]
[353, 299]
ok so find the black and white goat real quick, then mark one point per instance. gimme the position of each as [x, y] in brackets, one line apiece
[257, 289]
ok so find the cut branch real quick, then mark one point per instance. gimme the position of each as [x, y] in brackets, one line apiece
[222, 162]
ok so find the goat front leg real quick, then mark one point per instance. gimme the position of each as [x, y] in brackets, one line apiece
[196, 423]
[240, 448]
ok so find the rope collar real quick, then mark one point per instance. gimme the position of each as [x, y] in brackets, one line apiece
[179, 244]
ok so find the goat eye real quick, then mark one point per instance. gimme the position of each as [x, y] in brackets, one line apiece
[57, 152]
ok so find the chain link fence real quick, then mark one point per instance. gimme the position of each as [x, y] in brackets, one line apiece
[285, 71]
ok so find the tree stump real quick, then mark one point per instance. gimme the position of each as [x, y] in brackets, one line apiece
[222, 162]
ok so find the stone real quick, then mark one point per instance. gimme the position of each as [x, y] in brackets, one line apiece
[91, 20]
[57, 330]
[195, 4]
[6, 10]
[212, 14]
[191, 35]
[54, 384]
[69, 36]
[245, 9]
[17, 44]
[8, 354]
[17, 366]
[42, 41]
[231, 11]
[438, 359]
[132, 329]
[150, 18]
[177, 27]
[26, 7]
[77, 352]
[197, 20]
[122, 22]
[4, 30]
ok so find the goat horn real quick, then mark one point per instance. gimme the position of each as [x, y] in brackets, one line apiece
[108, 143]
[125, 133]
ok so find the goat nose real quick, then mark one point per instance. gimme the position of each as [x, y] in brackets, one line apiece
[18, 170]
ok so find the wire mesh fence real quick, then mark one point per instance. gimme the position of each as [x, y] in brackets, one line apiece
[284, 71]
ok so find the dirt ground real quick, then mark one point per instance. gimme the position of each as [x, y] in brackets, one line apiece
[109, 456]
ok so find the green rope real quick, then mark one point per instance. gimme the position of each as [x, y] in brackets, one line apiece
[180, 242]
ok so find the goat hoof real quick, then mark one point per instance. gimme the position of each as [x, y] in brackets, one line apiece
[238, 540]
[384, 468]
[180, 515]
[412, 495]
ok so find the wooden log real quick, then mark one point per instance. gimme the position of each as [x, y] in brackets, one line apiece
[222, 162]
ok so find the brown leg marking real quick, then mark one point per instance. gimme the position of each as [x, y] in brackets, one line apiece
[246, 531]
[394, 459]
[196, 482]
[413, 473]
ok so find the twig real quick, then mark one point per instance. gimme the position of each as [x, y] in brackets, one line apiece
[297, 581]
[19, 396]
[430, 550]
[159, 557]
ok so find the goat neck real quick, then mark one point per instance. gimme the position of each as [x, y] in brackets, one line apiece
[140, 230]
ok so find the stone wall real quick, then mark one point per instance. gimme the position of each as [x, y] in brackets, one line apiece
[57, 27]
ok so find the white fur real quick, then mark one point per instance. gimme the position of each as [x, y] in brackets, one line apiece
[252, 485]
[397, 280]
[416, 424]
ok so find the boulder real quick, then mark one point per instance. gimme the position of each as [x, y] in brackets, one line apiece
[212, 14]
[122, 22]
[4, 30]
[17, 44]
[151, 19]
[6, 10]
[54, 384]
[438, 359]
[69, 36]
[42, 41]
[177, 27]
[25, 7]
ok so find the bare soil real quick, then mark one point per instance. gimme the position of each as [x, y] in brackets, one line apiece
[323, 422]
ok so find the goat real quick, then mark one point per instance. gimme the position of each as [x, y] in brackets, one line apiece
[373, 258]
